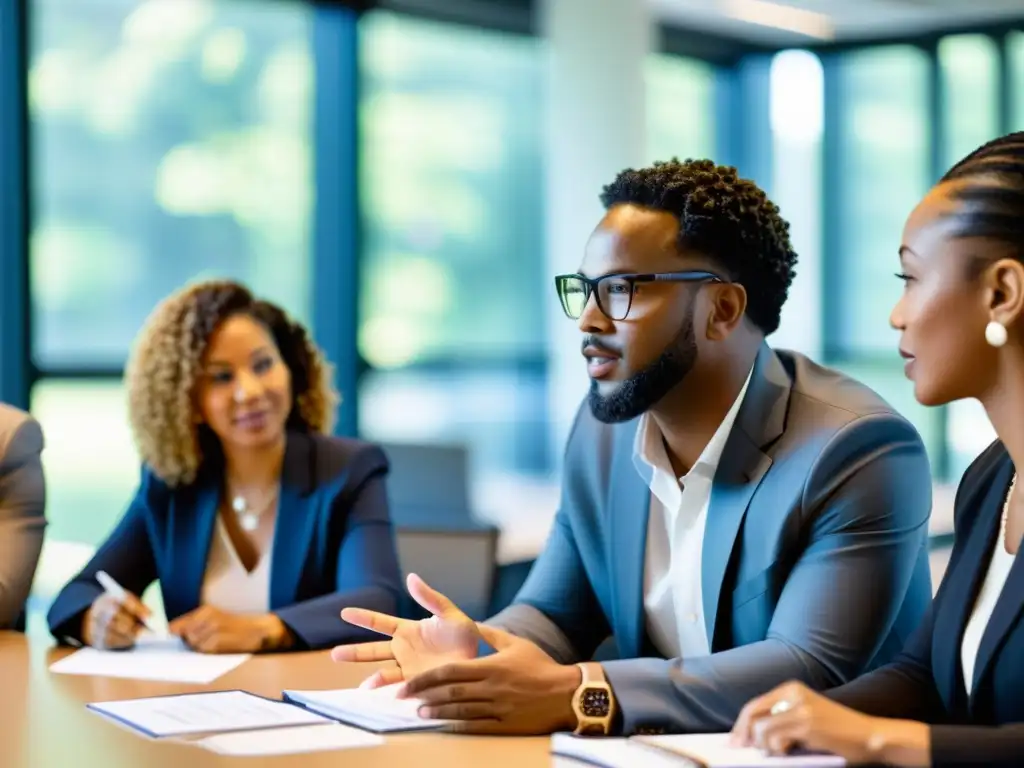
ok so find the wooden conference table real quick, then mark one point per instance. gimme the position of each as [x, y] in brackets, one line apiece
[44, 722]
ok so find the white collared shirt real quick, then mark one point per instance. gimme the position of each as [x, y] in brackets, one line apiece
[673, 602]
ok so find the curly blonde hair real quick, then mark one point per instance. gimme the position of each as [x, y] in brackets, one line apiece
[165, 364]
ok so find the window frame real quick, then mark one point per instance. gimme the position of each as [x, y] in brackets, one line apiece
[16, 374]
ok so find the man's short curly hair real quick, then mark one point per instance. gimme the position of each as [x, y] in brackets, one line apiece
[165, 366]
[726, 218]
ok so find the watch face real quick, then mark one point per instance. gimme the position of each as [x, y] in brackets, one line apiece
[595, 702]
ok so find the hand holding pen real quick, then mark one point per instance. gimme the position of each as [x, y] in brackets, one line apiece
[115, 618]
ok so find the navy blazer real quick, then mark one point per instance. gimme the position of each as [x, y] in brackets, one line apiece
[333, 544]
[925, 682]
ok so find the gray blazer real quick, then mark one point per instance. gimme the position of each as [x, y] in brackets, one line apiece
[814, 566]
[22, 506]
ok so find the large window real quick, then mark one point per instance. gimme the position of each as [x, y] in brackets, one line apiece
[969, 67]
[1015, 64]
[887, 157]
[884, 169]
[171, 141]
[91, 465]
[680, 101]
[883, 156]
[452, 291]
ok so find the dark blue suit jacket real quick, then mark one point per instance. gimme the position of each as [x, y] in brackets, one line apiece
[333, 544]
[925, 682]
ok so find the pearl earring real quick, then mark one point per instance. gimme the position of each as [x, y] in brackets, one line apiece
[995, 333]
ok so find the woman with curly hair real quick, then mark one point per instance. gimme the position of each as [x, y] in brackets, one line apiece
[259, 526]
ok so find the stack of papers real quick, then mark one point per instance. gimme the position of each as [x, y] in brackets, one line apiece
[235, 723]
[290, 741]
[715, 751]
[191, 714]
[377, 710]
[684, 751]
[611, 752]
[153, 658]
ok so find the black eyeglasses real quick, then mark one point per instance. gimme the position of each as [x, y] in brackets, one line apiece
[615, 292]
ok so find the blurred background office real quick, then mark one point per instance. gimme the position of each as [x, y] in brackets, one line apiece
[407, 177]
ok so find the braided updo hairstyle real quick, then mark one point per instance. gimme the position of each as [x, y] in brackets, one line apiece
[166, 363]
[726, 218]
[989, 183]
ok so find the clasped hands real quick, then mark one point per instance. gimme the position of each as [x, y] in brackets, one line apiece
[113, 624]
[517, 690]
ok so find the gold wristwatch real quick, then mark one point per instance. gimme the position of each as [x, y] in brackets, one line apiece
[593, 703]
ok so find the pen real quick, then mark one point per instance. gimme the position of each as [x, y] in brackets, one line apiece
[119, 593]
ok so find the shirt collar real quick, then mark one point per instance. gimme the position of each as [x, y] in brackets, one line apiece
[650, 456]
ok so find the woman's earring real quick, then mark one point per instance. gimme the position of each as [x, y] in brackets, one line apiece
[995, 333]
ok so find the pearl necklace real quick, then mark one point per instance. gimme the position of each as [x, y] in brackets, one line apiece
[1006, 512]
[249, 518]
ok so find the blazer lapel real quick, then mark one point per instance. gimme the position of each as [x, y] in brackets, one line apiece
[1011, 599]
[191, 535]
[296, 520]
[960, 593]
[742, 466]
[629, 508]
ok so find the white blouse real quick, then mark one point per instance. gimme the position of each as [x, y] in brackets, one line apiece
[998, 569]
[227, 584]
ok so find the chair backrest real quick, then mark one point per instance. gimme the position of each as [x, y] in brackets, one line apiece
[459, 563]
[428, 485]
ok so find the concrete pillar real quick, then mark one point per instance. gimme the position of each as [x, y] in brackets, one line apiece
[596, 124]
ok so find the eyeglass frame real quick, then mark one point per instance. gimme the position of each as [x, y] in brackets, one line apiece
[688, 276]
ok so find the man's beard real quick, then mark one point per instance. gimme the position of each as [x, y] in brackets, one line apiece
[642, 390]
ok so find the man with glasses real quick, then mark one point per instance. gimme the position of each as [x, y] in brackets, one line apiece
[735, 516]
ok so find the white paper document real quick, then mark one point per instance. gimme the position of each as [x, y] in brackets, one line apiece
[377, 710]
[715, 751]
[684, 751]
[290, 741]
[608, 753]
[152, 658]
[198, 713]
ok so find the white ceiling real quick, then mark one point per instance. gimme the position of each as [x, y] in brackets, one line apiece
[765, 21]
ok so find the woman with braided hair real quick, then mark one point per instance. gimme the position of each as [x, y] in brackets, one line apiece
[955, 697]
[259, 526]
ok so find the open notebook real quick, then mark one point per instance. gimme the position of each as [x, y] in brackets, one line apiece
[683, 751]
[375, 710]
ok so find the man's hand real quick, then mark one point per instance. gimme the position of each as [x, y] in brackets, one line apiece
[519, 690]
[211, 630]
[416, 646]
